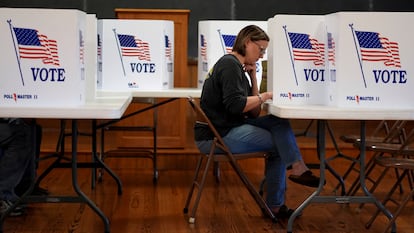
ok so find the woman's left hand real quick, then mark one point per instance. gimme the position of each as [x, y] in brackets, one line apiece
[250, 69]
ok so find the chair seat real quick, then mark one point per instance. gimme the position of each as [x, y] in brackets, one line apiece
[352, 138]
[403, 163]
[391, 148]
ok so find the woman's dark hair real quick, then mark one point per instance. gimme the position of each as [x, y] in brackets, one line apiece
[251, 32]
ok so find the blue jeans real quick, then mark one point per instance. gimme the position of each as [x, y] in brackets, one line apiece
[17, 161]
[265, 133]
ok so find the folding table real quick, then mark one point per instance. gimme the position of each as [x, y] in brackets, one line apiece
[322, 114]
[100, 108]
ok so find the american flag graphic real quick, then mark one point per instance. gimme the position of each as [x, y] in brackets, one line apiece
[228, 42]
[134, 47]
[331, 49]
[33, 45]
[203, 47]
[306, 48]
[167, 47]
[376, 48]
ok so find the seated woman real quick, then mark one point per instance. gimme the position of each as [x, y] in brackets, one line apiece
[231, 99]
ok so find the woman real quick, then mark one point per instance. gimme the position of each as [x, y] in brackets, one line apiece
[233, 104]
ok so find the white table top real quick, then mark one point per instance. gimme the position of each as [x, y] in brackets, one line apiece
[100, 108]
[338, 113]
[166, 93]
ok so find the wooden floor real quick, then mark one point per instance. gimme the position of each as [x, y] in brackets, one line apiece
[157, 208]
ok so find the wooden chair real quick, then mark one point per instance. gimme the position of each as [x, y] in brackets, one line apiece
[384, 132]
[397, 156]
[226, 156]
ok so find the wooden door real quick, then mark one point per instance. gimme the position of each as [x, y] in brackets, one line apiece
[172, 120]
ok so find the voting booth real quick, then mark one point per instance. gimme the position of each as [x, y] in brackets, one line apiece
[215, 39]
[373, 56]
[297, 59]
[135, 54]
[42, 57]
[344, 59]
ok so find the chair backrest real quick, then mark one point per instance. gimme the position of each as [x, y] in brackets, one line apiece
[396, 133]
[401, 155]
[225, 156]
[203, 119]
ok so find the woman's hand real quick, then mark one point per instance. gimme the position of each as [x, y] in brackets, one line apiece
[250, 69]
[267, 96]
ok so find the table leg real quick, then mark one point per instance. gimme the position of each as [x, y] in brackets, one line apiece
[99, 163]
[320, 140]
[81, 196]
[75, 184]
[362, 177]
[316, 198]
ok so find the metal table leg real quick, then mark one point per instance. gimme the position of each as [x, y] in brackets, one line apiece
[316, 198]
[75, 184]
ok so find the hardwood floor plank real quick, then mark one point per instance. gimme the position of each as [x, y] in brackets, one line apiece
[158, 208]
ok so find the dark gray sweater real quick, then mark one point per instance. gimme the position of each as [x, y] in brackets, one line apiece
[224, 97]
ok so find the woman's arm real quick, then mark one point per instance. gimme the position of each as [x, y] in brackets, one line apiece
[254, 102]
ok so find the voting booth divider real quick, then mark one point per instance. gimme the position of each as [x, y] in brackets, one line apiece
[373, 54]
[296, 61]
[42, 57]
[135, 54]
[215, 39]
[54, 57]
[344, 59]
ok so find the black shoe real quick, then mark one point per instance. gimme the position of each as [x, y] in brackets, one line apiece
[17, 211]
[307, 178]
[285, 213]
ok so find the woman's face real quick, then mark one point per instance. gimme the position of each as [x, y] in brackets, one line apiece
[255, 50]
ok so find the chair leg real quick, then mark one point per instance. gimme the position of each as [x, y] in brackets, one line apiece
[193, 183]
[375, 181]
[398, 211]
[347, 173]
[369, 166]
[199, 185]
[255, 194]
[388, 198]
[411, 178]
[262, 186]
